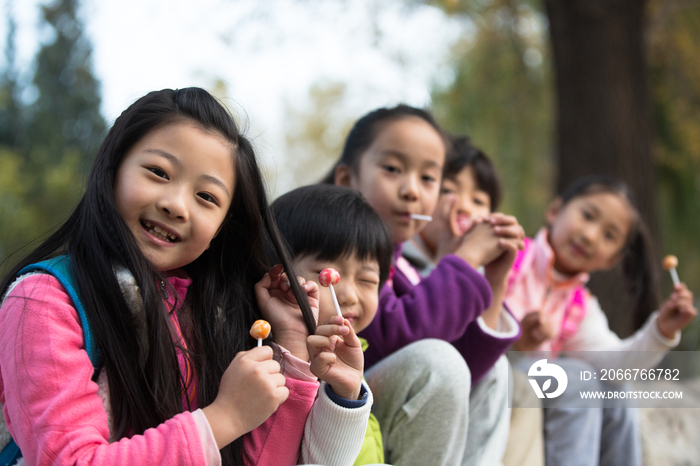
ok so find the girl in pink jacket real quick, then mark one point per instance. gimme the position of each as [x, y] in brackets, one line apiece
[167, 249]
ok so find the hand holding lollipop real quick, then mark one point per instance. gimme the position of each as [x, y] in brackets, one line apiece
[260, 330]
[329, 277]
[670, 264]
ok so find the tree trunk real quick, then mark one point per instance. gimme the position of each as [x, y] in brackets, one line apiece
[603, 111]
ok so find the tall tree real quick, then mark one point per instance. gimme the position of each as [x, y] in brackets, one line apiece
[66, 113]
[10, 117]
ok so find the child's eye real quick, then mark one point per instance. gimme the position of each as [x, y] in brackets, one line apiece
[391, 169]
[158, 172]
[208, 197]
[446, 191]
[428, 178]
[479, 202]
[587, 215]
[370, 282]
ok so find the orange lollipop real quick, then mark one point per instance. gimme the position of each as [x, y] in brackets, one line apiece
[670, 264]
[260, 330]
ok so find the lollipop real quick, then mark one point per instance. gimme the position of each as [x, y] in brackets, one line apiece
[260, 330]
[330, 277]
[670, 264]
[427, 218]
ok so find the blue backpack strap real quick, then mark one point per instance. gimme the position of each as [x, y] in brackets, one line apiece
[59, 267]
[10, 454]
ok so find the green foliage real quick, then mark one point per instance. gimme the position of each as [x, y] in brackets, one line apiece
[47, 146]
[501, 97]
[315, 136]
[66, 112]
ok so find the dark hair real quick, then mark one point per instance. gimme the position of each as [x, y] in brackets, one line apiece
[461, 154]
[638, 265]
[366, 129]
[329, 222]
[220, 303]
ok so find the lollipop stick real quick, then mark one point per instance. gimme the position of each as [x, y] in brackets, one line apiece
[335, 301]
[427, 218]
[674, 276]
[259, 342]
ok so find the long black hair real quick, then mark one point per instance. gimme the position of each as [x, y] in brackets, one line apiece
[220, 305]
[366, 129]
[638, 266]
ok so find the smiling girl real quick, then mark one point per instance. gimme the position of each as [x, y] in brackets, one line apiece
[168, 252]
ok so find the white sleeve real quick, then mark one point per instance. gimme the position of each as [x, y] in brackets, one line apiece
[644, 349]
[333, 434]
[507, 326]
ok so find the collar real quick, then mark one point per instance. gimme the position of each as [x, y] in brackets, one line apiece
[544, 262]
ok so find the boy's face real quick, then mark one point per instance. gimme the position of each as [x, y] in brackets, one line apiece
[470, 202]
[357, 291]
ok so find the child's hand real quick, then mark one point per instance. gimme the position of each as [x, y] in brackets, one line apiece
[511, 235]
[677, 312]
[251, 389]
[536, 329]
[480, 245]
[279, 307]
[336, 357]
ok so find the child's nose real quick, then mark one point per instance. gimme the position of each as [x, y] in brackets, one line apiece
[173, 204]
[409, 188]
[346, 293]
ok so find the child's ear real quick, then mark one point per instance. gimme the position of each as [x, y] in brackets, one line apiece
[343, 176]
[553, 210]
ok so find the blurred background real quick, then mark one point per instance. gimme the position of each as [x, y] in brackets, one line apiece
[550, 89]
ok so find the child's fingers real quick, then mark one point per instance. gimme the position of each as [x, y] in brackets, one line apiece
[276, 271]
[262, 353]
[317, 344]
[328, 330]
[351, 339]
[321, 363]
[509, 231]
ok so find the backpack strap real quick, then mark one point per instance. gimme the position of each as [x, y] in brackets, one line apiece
[10, 454]
[60, 267]
[518, 263]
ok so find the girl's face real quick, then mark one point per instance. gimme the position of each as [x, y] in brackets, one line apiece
[588, 233]
[173, 189]
[399, 174]
[357, 291]
[470, 202]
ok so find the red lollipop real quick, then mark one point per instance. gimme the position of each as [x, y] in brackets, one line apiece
[329, 277]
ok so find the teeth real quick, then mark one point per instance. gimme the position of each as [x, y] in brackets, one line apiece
[161, 232]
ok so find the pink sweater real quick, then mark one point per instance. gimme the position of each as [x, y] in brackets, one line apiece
[54, 413]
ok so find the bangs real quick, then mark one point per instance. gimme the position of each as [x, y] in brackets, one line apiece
[330, 222]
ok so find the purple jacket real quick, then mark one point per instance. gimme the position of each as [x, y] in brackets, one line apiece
[445, 305]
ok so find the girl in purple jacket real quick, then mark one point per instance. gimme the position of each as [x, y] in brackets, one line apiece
[395, 157]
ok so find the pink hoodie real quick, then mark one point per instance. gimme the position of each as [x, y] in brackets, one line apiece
[54, 413]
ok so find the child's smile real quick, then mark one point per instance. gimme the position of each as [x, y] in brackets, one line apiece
[589, 232]
[173, 189]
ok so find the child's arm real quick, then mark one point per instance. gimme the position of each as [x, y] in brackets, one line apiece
[336, 357]
[677, 312]
[51, 405]
[440, 306]
[511, 239]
